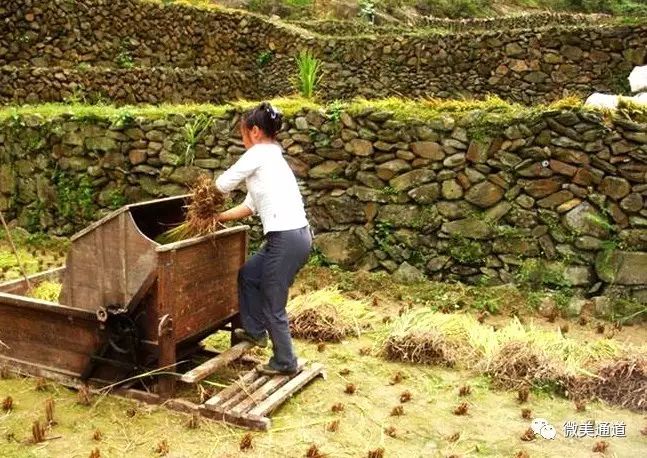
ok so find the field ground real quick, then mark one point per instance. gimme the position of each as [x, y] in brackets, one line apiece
[492, 426]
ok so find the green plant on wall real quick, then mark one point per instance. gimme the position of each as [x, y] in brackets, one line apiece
[115, 199]
[538, 273]
[383, 234]
[124, 59]
[75, 197]
[334, 111]
[122, 119]
[367, 10]
[466, 251]
[308, 74]
[191, 134]
[264, 58]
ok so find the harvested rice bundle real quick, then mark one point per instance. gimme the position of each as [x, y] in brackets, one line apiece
[46, 291]
[569, 354]
[428, 337]
[622, 383]
[429, 348]
[207, 202]
[518, 364]
[326, 315]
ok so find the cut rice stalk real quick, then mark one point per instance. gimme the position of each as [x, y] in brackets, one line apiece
[326, 315]
[206, 203]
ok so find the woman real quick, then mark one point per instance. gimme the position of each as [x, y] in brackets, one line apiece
[273, 194]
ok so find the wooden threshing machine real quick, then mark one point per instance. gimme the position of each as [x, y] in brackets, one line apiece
[130, 306]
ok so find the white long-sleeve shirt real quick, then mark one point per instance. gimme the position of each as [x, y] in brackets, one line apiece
[272, 189]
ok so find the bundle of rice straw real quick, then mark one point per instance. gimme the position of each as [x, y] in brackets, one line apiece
[428, 337]
[207, 202]
[326, 315]
[622, 382]
[518, 364]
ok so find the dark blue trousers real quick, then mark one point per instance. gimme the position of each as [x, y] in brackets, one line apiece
[263, 284]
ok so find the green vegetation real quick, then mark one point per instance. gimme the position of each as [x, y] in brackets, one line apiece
[191, 133]
[46, 291]
[308, 74]
[490, 113]
[466, 251]
[457, 9]
[124, 60]
[75, 197]
[264, 58]
[538, 274]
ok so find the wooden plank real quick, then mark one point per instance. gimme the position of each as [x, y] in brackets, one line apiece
[166, 335]
[243, 393]
[14, 300]
[107, 264]
[245, 421]
[286, 391]
[199, 240]
[209, 367]
[19, 287]
[145, 287]
[47, 335]
[248, 400]
[205, 283]
[232, 389]
[261, 394]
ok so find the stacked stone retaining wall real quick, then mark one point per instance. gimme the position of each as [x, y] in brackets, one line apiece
[172, 41]
[452, 197]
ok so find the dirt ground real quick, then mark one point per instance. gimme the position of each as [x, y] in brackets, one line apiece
[492, 427]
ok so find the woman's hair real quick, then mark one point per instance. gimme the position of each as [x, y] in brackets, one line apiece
[265, 117]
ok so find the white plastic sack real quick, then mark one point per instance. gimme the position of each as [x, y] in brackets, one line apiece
[602, 100]
[638, 79]
[640, 98]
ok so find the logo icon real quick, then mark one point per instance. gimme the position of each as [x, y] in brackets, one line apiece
[541, 427]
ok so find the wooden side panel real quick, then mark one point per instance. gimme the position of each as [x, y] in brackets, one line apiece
[106, 265]
[19, 286]
[48, 336]
[165, 327]
[205, 279]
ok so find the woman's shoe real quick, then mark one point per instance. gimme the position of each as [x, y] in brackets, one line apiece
[241, 334]
[266, 369]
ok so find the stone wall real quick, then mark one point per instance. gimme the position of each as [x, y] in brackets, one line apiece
[469, 196]
[523, 65]
[151, 85]
[523, 21]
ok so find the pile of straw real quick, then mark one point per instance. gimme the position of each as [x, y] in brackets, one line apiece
[327, 316]
[622, 382]
[514, 356]
[429, 348]
[427, 337]
[518, 364]
[207, 202]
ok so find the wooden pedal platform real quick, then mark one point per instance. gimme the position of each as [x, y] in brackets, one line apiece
[248, 401]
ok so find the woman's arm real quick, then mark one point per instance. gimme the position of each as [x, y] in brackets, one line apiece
[237, 212]
[244, 167]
